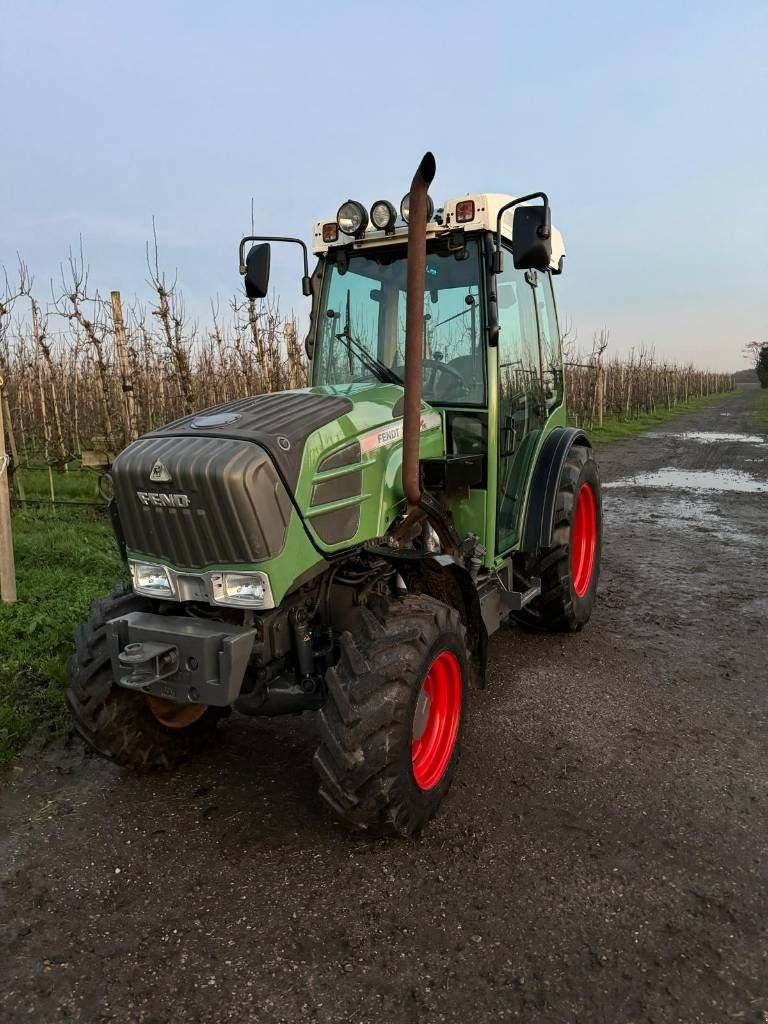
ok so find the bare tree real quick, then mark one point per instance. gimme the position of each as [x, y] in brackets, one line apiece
[74, 303]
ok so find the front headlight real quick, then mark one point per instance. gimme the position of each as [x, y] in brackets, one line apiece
[152, 580]
[241, 589]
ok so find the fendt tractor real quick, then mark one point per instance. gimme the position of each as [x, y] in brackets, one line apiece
[349, 547]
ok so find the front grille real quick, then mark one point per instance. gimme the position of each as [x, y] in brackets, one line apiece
[237, 510]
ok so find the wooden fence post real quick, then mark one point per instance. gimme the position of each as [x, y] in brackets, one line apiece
[6, 412]
[7, 565]
[600, 395]
[129, 401]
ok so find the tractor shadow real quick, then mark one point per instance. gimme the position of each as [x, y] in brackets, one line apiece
[254, 785]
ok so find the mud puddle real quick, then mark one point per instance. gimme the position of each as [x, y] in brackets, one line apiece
[713, 437]
[670, 478]
[679, 514]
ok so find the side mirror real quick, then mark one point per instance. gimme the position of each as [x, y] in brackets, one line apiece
[257, 271]
[531, 238]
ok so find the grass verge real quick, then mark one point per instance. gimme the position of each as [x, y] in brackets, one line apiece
[75, 484]
[762, 410]
[64, 560]
[614, 429]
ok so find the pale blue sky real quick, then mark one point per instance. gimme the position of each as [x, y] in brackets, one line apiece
[646, 124]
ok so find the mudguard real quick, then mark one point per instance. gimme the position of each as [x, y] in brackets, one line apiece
[445, 579]
[537, 531]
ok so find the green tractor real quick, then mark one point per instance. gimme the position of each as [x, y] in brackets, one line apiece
[349, 547]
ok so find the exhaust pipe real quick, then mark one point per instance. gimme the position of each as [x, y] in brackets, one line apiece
[414, 325]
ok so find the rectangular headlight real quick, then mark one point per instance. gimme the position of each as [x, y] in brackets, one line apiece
[241, 589]
[152, 580]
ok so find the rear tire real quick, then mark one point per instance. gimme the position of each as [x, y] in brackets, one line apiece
[391, 727]
[118, 723]
[569, 570]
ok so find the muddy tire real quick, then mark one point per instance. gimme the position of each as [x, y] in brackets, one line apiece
[569, 570]
[390, 731]
[115, 722]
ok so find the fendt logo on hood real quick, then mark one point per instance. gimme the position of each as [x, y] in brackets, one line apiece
[163, 500]
[159, 474]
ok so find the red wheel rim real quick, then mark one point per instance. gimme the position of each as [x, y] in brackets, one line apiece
[436, 720]
[583, 540]
[172, 714]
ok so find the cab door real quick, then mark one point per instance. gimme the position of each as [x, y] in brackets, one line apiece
[522, 406]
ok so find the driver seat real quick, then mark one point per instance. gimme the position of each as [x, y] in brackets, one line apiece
[471, 370]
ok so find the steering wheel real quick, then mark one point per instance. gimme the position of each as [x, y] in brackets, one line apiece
[438, 366]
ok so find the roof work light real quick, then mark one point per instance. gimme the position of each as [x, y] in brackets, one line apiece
[352, 218]
[405, 204]
[383, 215]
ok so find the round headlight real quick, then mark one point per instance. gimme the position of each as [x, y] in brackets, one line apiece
[352, 218]
[405, 204]
[383, 215]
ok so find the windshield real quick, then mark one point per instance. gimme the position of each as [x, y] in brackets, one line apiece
[361, 322]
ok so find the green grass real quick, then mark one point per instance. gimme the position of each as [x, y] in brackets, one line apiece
[762, 409]
[614, 429]
[64, 560]
[75, 484]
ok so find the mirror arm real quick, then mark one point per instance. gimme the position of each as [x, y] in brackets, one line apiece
[306, 284]
[544, 232]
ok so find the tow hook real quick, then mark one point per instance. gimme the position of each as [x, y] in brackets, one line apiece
[148, 663]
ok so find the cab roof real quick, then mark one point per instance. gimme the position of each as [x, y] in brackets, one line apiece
[487, 206]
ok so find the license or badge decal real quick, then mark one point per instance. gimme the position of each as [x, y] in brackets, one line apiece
[392, 432]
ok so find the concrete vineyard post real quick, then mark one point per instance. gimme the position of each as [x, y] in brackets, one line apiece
[7, 565]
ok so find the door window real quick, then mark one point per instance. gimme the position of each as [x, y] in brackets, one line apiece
[521, 409]
[551, 356]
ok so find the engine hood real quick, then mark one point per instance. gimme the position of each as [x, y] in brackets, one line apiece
[240, 473]
[280, 423]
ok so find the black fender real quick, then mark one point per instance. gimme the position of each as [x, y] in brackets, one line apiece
[445, 579]
[537, 530]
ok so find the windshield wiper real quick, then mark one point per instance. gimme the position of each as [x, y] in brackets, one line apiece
[376, 367]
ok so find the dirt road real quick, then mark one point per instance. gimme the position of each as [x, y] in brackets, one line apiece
[602, 856]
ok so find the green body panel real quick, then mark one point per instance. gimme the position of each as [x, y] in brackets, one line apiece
[489, 531]
[525, 460]
[381, 497]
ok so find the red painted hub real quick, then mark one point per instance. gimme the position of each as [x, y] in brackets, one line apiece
[173, 715]
[583, 540]
[436, 720]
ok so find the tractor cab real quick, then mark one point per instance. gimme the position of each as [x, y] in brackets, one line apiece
[490, 356]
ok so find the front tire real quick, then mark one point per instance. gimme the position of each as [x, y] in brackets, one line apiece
[570, 568]
[128, 728]
[391, 727]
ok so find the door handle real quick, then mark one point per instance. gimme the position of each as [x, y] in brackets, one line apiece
[509, 431]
